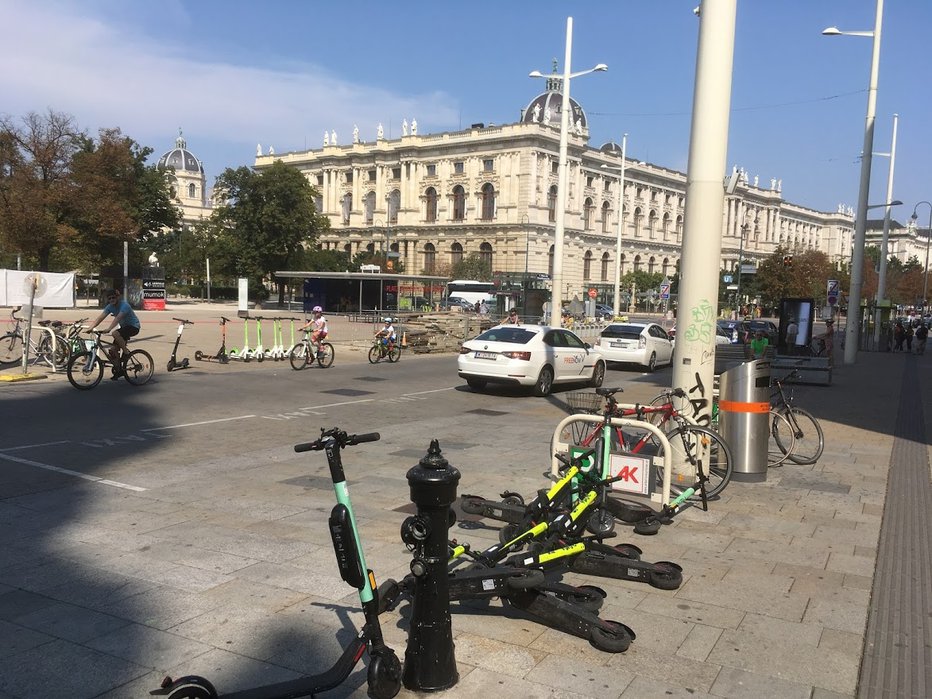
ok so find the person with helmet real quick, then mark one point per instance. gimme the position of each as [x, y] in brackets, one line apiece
[387, 333]
[318, 326]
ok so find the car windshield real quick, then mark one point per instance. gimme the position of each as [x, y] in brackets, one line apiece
[630, 332]
[516, 336]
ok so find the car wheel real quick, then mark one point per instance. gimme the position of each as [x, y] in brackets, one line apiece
[598, 375]
[544, 382]
[475, 384]
[652, 362]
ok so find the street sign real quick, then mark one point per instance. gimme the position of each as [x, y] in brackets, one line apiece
[593, 293]
[832, 291]
[665, 291]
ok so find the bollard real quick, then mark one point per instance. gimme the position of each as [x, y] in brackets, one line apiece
[430, 663]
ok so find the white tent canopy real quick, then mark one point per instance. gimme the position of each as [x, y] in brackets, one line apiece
[54, 290]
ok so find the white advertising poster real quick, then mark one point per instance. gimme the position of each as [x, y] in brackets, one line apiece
[54, 289]
[243, 295]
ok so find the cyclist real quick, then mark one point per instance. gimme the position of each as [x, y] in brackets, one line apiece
[129, 326]
[318, 326]
[387, 333]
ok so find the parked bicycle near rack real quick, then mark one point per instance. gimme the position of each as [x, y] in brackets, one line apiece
[86, 369]
[800, 425]
[42, 348]
[307, 352]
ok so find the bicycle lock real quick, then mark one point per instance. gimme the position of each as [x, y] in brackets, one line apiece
[430, 662]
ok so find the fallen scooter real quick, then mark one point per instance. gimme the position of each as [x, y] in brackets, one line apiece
[384, 674]
[222, 357]
[173, 362]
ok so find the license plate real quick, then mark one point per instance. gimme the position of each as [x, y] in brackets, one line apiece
[486, 355]
[620, 343]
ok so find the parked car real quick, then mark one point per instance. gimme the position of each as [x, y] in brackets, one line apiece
[456, 302]
[529, 355]
[646, 344]
[721, 337]
[768, 327]
[739, 330]
[604, 312]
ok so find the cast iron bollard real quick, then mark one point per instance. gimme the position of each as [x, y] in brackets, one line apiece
[430, 663]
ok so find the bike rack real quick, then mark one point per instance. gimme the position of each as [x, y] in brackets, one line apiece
[54, 345]
[557, 446]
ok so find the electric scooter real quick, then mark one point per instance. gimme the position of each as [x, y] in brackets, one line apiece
[384, 675]
[221, 355]
[173, 361]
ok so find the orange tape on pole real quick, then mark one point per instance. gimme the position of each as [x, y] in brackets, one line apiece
[733, 406]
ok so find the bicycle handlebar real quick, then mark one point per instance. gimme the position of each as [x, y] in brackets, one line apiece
[339, 436]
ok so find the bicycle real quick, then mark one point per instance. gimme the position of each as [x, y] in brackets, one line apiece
[380, 351]
[808, 440]
[42, 348]
[702, 448]
[86, 368]
[303, 354]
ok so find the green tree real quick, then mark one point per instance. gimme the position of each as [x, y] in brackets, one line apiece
[805, 277]
[267, 217]
[473, 266]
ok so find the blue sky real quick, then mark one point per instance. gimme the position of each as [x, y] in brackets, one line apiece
[234, 74]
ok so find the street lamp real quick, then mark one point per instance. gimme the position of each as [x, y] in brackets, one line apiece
[860, 224]
[745, 227]
[884, 239]
[616, 306]
[556, 301]
[525, 221]
[925, 282]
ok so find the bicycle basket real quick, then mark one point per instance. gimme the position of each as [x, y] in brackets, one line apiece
[584, 401]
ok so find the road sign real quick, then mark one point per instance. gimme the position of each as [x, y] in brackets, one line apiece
[832, 291]
[665, 291]
[593, 293]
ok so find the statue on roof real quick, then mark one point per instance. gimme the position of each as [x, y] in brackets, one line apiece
[536, 112]
[333, 138]
[258, 150]
[326, 138]
[355, 134]
[380, 132]
[404, 127]
[414, 127]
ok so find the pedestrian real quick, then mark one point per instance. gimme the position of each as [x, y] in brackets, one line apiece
[909, 337]
[792, 330]
[828, 338]
[922, 334]
[759, 344]
[899, 335]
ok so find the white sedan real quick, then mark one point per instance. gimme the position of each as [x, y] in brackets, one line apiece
[646, 344]
[529, 355]
[721, 336]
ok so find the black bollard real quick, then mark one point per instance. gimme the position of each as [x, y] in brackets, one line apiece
[430, 663]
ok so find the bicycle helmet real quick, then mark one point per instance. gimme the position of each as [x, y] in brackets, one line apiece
[386, 320]
[317, 309]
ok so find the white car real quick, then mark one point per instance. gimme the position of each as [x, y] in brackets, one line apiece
[529, 355]
[721, 337]
[646, 344]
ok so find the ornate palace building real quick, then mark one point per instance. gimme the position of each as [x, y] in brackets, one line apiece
[491, 190]
[190, 186]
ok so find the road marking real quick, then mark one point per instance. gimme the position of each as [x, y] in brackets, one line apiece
[314, 410]
[195, 424]
[76, 474]
[433, 390]
[334, 405]
[36, 446]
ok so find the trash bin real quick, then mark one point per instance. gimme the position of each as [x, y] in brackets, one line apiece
[744, 407]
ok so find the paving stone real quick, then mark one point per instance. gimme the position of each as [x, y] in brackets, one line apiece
[849, 563]
[149, 647]
[70, 622]
[15, 639]
[589, 679]
[781, 631]
[740, 684]
[699, 643]
[480, 682]
[720, 615]
[500, 657]
[644, 688]
[846, 610]
[16, 602]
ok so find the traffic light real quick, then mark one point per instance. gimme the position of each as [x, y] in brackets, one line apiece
[787, 260]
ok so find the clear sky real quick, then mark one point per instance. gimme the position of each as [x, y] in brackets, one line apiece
[234, 74]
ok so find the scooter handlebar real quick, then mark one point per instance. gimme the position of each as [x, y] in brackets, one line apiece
[182, 320]
[366, 437]
[346, 440]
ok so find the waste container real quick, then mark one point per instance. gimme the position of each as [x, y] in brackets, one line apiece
[744, 406]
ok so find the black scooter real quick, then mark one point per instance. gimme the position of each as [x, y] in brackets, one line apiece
[222, 357]
[384, 667]
[173, 362]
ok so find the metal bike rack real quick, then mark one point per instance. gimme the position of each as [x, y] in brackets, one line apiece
[54, 345]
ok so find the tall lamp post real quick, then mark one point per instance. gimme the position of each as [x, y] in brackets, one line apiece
[744, 231]
[616, 305]
[556, 283]
[860, 223]
[525, 221]
[884, 239]
[925, 277]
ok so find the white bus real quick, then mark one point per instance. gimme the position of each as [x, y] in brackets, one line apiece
[471, 291]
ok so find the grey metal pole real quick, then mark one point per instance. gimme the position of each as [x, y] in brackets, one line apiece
[744, 230]
[882, 271]
[556, 281]
[705, 196]
[616, 307]
[126, 270]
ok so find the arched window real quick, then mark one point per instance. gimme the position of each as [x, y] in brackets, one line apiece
[347, 207]
[456, 254]
[370, 208]
[665, 267]
[348, 249]
[679, 230]
[552, 204]
[637, 263]
[637, 221]
[430, 258]
[488, 202]
[624, 262]
[587, 265]
[431, 195]
[370, 248]
[394, 203]
[550, 262]
[192, 191]
[605, 220]
[606, 259]
[459, 203]
[587, 214]
[650, 265]
[665, 225]
[485, 255]
[651, 224]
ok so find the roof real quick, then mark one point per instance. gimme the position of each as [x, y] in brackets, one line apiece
[180, 158]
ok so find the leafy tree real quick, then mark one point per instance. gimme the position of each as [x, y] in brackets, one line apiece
[473, 266]
[364, 257]
[805, 277]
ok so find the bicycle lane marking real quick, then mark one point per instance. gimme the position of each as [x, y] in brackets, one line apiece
[316, 409]
[195, 424]
[76, 474]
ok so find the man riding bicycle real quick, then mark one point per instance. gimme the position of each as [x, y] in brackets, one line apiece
[126, 318]
[387, 333]
[318, 326]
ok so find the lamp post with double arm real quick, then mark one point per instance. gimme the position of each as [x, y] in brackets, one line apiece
[620, 216]
[925, 276]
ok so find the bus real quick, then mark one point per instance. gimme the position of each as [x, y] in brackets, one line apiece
[470, 290]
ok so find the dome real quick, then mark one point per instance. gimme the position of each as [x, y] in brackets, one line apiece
[611, 147]
[546, 108]
[180, 158]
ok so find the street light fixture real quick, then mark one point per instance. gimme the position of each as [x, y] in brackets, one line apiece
[745, 227]
[860, 223]
[556, 283]
[616, 306]
[925, 282]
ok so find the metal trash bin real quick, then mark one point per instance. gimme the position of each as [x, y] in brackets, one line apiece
[744, 407]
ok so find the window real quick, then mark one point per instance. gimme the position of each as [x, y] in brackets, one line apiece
[555, 167]
[552, 204]
[348, 249]
[488, 202]
[347, 207]
[318, 204]
[458, 167]
[587, 265]
[370, 248]
[370, 207]
[396, 173]
[605, 261]
[394, 203]
[192, 191]
[430, 258]
[665, 227]
[637, 263]
[605, 218]
[485, 254]
[650, 265]
[431, 170]
[665, 267]
[459, 203]
[651, 224]
[431, 195]
[587, 215]
[624, 261]
[372, 175]
[637, 222]
[320, 180]
[349, 177]
[488, 165]
[456, 254]
[589, 180]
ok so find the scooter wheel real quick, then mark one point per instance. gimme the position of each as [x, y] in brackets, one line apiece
[507, 533]
[601, 522]
[611, 637]
[666, 575]
[513, 499]
[198, 355]
[260, 357]
[589, 597]
[647, 527]
[384, 676]
[189, 687]
[628, 551]
[171, 365]
[471, 505]
[185, 363]
[527, 580]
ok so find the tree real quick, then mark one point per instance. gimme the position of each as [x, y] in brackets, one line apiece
[267, 217]
[805, 277]
[473, 266]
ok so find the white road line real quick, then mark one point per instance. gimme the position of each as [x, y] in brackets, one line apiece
[195, 424]
[76, 474]
[334, 405]
[36, 446]
[433, 390]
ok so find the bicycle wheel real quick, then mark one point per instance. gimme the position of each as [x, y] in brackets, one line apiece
[11, 348]
[374, 354]
[810, 442]
[394, 354]
[85, 371]
[325, 355]
[694, 447]
[298, 356]
[781, 441]
[138, 367]
[682, 406]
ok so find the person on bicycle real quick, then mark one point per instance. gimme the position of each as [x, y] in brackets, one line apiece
[317, 325]
[129, 325]
[387, 333]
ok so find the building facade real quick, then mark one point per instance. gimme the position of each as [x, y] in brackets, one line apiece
[190, 183]
[491, 190]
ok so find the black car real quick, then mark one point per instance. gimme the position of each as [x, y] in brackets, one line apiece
[740, 330]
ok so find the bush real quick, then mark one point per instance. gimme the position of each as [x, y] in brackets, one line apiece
[217, 293]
